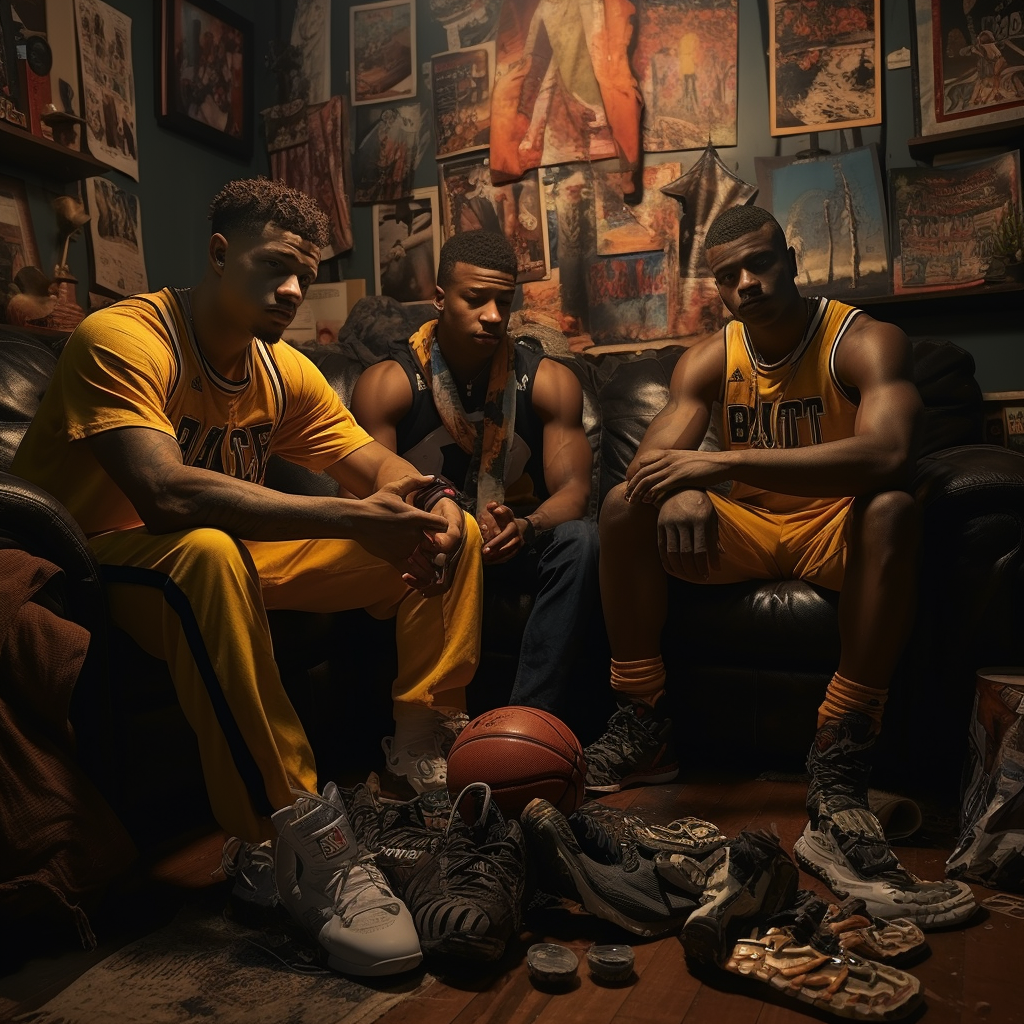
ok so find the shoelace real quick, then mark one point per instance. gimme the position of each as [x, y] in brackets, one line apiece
[235, 850]
[625, 731]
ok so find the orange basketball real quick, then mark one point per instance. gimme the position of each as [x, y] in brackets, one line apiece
[521, 753]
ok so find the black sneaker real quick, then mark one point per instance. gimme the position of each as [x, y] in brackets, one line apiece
[749, 878]
[634, 749]
[466, 897]
[617, 883]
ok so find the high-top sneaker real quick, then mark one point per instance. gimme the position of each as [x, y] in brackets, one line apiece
[467, 896]
[748, 879]
[844, 844]
[333, 890]
[612, 879]
[635, 748]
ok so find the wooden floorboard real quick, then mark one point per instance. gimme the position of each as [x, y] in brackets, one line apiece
[971, 976]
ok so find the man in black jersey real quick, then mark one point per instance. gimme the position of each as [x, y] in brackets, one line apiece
[461, 399]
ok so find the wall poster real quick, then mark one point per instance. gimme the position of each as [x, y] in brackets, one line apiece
[382, 58]
[461, 83]
[115, 235]
[406, 247]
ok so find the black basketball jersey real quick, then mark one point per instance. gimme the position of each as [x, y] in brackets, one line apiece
[425, 441]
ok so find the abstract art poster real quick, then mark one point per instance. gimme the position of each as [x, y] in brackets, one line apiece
[685, 59]
[382, 57]
[969, 64]
[563, 89]
[824, 65]
[115, 235]
[832, 209]
[390, 143]
[461, 83]
[628, 298]
[635, 227]
[108, 81]
[406, 244]
[943, 219]
[470, 200]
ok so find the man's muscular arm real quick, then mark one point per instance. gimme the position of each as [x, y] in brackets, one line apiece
[568, 462]
[875, 358]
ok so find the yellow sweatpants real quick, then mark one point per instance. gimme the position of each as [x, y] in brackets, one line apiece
[198, 600]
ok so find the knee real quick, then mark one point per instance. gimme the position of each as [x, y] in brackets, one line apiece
[620, 519]
[889, 518]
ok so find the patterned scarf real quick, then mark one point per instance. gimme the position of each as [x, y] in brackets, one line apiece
[486, 442]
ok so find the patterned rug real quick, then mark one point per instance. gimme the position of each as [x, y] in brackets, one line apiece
[204, 967]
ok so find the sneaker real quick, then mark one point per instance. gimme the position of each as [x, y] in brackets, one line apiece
[848, 927]
[466, 897]
[634, 749]
[843, 985]
[627, 891]
[419, 749]
[334, 891]
[828, 852]
[253, 895]
[689, 836]
[749, 877]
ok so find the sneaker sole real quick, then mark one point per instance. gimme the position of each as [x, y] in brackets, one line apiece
[397, 965]
[550, 827]
[819, 859]
[459, 945]
[644, 779]
[705, 935]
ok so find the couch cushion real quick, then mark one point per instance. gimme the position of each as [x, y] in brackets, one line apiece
[944, 375]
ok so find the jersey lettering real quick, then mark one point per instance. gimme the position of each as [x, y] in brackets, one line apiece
[188, 435]
[787, 421]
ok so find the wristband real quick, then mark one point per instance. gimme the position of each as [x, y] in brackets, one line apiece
[427, 497]
[529, 532]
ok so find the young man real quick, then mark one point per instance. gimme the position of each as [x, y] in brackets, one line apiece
[155, 433]
[819, 420]
[461, 399]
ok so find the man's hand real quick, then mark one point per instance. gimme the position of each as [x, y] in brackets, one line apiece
[395, 531]
[437, 555]
[662, 471]
[688, 535]
[502, 533]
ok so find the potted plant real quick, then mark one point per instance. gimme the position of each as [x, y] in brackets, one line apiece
[1008, 247]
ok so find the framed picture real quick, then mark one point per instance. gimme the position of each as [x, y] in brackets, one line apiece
[943, 220]
[382, 40]
[969, 64]
[824, 65]
[206, 70]
[390, 143]
[406, 246]
[462, 82]
[470, 200]
[833, 212]
[17, 239]
[115, 236]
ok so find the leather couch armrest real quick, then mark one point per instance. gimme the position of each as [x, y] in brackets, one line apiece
[971, 479]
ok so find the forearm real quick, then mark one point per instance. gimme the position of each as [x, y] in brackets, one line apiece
[851, 466]
[566, 504]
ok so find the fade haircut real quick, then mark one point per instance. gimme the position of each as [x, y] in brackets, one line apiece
[488, 250]
[248, 205]
[737, 221]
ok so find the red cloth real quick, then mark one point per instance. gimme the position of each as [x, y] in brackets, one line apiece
[59, 840]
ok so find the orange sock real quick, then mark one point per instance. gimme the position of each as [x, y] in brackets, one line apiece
[642, 680]
[843, 696]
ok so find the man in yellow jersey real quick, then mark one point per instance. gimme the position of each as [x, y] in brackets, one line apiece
[819, 426]
[155, 433]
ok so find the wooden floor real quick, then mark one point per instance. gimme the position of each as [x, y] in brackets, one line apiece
[970, 976]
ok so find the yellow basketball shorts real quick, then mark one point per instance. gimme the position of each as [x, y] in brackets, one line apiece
[754, 544]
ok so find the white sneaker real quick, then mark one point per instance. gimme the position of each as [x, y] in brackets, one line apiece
[333, 889]
[251, 865]
[888, 894]
[419, 748]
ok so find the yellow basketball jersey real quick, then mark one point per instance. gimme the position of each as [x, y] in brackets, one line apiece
[137, 364]
[793, 403]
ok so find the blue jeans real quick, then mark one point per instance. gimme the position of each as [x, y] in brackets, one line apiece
[562, 568]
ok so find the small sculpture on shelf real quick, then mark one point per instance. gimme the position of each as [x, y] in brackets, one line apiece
[30, 299]
[71, 215]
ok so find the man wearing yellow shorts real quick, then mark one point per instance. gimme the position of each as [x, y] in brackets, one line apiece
[155, 434]
[819, 424]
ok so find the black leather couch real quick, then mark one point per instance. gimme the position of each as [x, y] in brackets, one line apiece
[747, 663]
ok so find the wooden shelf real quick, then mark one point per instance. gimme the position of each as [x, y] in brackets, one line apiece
[983, 300]
[1007, 133]
[58, 163]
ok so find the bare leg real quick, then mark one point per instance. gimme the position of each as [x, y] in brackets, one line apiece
[634, 589]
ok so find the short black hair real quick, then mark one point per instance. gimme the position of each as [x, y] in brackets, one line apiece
[489, 250]
[248, 205]
[737, 221]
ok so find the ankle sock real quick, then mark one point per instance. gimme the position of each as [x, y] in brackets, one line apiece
[642, 681]
[843, 697]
